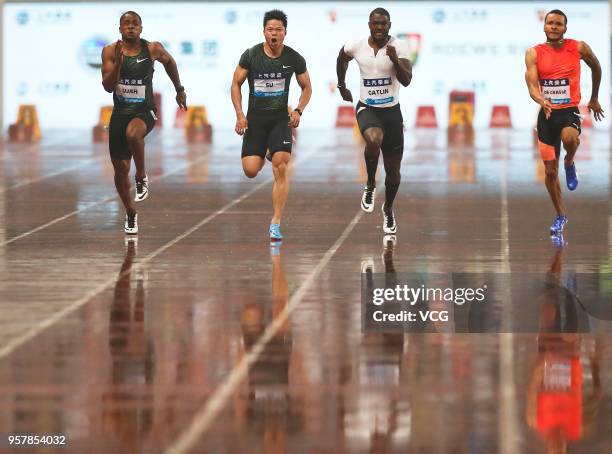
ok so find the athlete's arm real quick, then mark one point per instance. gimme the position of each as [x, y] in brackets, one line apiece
[112, 57]
[403, 67]
[342, 63]
[240, 75]
[303, 81]
[159, 53]
[531, 77]
[590, 59]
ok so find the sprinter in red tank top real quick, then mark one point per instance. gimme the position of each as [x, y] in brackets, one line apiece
[553, 79]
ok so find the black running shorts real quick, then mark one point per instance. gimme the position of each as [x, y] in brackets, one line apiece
[549, 130]
[117, 140]
[389, 119]
[267, 130]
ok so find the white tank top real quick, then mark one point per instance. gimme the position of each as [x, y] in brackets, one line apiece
[379, 85]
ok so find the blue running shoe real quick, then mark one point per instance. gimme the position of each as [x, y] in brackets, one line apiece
[269, 155]
[275, 233]
[571, 177]
[558, 241]
[558, 225]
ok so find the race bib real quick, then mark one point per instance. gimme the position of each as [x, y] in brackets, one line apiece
[130, 93]
[378, 91]
[557, 91]
[557, 375]
[269, 85]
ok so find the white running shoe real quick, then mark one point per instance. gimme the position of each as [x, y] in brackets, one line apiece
[367, 199]
[142, 189]
[389, 225]
[131, 224]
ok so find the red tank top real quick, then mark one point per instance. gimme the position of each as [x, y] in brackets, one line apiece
[560, 399]
[559, 73]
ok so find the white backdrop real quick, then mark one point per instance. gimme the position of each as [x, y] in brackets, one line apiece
[52, 53]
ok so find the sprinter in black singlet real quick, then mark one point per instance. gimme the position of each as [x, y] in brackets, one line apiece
[266, 127]
[127, 72]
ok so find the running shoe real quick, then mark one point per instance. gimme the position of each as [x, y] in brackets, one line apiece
[131, 242]
[389, 225]
[275, 233]
[571, 177]
[389, 241]
[367, 265]
[558, 240]
[131, 224]
[557, 227]
[142, 189]
[367, 199]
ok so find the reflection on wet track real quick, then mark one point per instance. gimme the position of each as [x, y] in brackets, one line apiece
[187, 339]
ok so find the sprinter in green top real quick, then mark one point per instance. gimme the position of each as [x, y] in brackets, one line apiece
[267, 125]
[127, 72]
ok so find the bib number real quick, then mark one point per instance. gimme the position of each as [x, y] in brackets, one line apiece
[264, 88]
[130, 93]
[557, 91]
[378, 91]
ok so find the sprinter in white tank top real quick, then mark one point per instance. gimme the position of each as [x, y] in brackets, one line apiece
[384, 64]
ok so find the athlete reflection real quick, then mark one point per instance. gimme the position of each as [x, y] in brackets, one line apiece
[127, 72]
[560, 406]
[377, 415]
[129, 417]
[269, 67]
[269, 404]
[553, 79]
[384, 64]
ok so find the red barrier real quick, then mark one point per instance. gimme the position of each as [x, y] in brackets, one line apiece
[500, 117]
[345, 117]
[426, 117]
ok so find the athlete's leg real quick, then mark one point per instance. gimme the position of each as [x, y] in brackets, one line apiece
[393, 177]
[373, 137]
[392, 150]
[251, 165]
[571, 140]
[135, 133]
[122, 183]
[549, 143]
[280, 166]
[254, 146]
[371, 127]
[121, 159]
[551, 169]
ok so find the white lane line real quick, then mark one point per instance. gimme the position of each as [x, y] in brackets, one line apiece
[50, 175]
[94, 204]
[508, 412]
[35, 330]
[210, 411]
